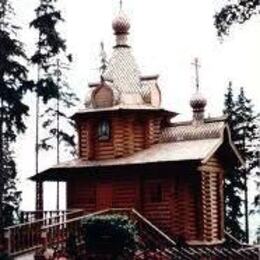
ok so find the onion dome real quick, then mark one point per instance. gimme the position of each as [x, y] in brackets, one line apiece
[88, 100]
[102, 96]
[198, 102]
[121, 24]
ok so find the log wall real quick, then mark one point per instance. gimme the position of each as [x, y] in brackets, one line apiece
[212, 199]
[158, 212]
[81, 194]
[129, 134]
[190, 206]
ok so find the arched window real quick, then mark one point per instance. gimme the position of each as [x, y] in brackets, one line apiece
[103, 130]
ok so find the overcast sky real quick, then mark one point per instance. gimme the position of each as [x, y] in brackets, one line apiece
[165, 35]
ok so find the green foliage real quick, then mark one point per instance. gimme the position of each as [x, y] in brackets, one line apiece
[11, 196]
[57, 122]
[110, 234]
[13, 82]
[242, 123]
[52, 86]
[238, 12]
[234, 178]
[13, 110]
[50, 42]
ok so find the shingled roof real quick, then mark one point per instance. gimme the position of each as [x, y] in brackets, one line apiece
[185, 132]
[179, 143]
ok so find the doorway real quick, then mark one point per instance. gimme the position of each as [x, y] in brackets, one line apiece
[104, 195]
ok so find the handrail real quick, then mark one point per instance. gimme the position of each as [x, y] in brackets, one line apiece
[233, 238]
[58, 233]
[67, 212]
[27, 236]
[76, 219]
[154, 227]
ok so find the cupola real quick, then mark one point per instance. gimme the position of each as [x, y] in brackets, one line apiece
[198, 102]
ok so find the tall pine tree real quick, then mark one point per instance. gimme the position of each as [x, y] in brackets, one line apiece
[234, 178]
[242, 122]
[49, 45]
[11, 196]
[13, 86]
[246, 130]
[59, 126]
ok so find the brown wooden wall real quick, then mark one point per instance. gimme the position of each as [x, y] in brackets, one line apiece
[158, 212]
[185, 210]
[186, 205]
[129, 133]
[212, 199]
[81, 193]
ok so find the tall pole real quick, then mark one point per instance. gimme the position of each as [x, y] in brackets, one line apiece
[39, 184]
[3, 5]
[1, 174]
[58, 73]
[246, 188]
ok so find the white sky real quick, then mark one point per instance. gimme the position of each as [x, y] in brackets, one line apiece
[165, 36]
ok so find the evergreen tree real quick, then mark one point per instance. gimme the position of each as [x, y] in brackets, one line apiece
[11, 196]
[51, 87]
[59, 126]
[13, 86]
[49, 45]
[234, 180]
[56, 116]
[237, 12]
[247, 133]
[242, 122]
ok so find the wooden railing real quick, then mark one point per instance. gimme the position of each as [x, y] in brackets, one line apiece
[57, 234]
[152, 242]
[27, 236]
[30, 216]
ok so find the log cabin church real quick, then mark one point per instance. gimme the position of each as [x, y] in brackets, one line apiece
[133, 155]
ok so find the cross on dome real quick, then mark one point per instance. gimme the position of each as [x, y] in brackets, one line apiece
[198, 102]
[103, 60]
[121, 24]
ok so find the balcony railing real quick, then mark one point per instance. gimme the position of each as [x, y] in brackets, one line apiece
[27, 236]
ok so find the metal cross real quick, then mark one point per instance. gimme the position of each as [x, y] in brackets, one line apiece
[103, 59]
[197, 66]
[121, 4]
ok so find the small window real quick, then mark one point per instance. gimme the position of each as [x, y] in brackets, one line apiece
[103, 130]
[156, 194]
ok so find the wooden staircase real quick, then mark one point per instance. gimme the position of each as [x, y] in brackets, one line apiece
[153, 244]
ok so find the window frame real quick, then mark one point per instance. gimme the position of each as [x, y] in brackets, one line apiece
[104, 135]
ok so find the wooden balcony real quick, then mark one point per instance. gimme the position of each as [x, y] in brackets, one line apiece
[56, 229]
[27, 236]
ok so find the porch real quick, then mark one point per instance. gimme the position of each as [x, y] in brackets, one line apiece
[56, 227]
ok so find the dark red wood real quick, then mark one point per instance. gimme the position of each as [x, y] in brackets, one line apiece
[104, 195]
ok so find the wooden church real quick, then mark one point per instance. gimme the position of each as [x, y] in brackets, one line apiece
[131, 155]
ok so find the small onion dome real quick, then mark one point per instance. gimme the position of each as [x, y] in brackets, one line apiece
[198, 102]
[116, 96]
[87, 101]
[102, 96]
[121, 24]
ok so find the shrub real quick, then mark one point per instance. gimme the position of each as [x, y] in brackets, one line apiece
[110, 234]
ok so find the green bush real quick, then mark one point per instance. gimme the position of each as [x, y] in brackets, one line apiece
[110, 234]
